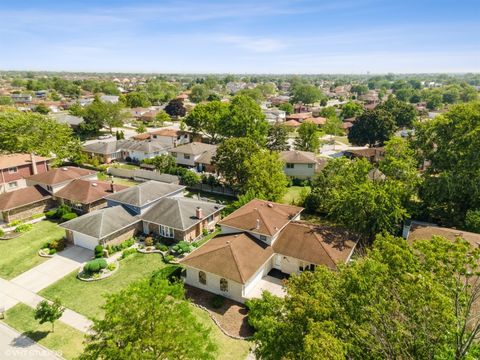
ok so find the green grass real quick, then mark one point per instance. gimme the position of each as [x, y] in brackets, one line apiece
[221, 199]
[86, 297]
[342, 139]
[66, 340]
[209, 236]
[124, 182]
[21, 253]
[125, 166]
[293, 194]
[228, 348]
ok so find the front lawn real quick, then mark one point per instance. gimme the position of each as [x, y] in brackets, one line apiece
[87, 297]
[21, 253]
[293, 194]
[228, 348]
[66, 341]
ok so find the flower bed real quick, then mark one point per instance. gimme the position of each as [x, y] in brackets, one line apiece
[46, 253]
[100, 275]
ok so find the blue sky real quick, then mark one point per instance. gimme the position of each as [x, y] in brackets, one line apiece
[335, 36]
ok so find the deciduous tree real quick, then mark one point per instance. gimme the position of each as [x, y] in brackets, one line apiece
[308, 137]
[372, 128]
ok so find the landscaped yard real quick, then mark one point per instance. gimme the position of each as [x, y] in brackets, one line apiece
[66, 340]
[86, 297]
[293, 194]
[20, 254]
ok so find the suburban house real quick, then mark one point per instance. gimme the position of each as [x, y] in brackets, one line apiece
[111, 225]
[204, 163]
[181, 218]
[374, 155]
[319, 121]
[85, 196]
[189, 154]
[21, 98]
[14, 168]
[25, 202]
[274, 116]
[301, 164]
[171, 137]
[65, 118]
[56, 179]
[128, 150]
[261, 242]
[138, 199]
[151, 208]
[417, 230]
[299, 116]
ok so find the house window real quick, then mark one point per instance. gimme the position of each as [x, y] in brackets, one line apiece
[210, 219]
[186, 156]
[263, 238]
[166, 231]
[290, 166]
[49, 188]
[12, 170]
[202, 278]
[12, 185]
[310, 166]
[223, 285]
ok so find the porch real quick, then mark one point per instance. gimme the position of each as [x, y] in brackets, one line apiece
[268, 283]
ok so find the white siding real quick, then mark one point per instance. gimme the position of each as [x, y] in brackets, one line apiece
[300, 171]
[253, 281]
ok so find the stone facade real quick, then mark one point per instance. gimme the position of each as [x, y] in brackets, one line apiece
[27, 211]
[121, 235]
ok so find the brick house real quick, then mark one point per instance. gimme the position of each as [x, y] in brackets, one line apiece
[14, 168]
[23, 203]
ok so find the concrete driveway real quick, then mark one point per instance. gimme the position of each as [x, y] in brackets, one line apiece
[54, 269]
[14, 345]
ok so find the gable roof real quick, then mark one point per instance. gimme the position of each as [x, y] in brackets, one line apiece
[261, 217]
[292, 123]
[194, 148]
[235, 256]
[144, 193]
[87, 191]
[207, 156]
[169, 132]
[61, 175]
[316, 120]
[110, 147]
[21, 197]
[101, 147]
[179, 213]
[65, 118]
[298, 157]
[12, 160]
[101, 223]
[320, 245]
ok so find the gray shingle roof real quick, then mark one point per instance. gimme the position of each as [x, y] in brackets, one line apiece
[194, 148]
[102, 147]
[101, 223]
[144, 193]
[110, 147]
[64, 118]
[179, 213]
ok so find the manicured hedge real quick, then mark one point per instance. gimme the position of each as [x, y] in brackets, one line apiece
[95, 266]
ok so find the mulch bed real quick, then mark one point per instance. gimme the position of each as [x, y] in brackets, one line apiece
[232, 315]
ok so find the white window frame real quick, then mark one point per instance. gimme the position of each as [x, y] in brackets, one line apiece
[186, 156]
[13, 170]
[166, 231]
[290, 165]
[13, 185]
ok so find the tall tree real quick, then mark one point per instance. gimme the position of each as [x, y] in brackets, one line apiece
[351, 109]
[149, 320]
[198, 93]
[99, 114]
[137, 99]
[306, 94]
[246, 119]
[46, 312]
[175, 108]
[308, 138]
[287, 107]
[277, 139]
[372, 128]
[231, 157]
[208, 118]
[403, 113]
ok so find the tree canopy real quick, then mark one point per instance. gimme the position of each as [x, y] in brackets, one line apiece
[372, 128]
[208, 118]
[277, 139]
[308, 138]
[306, 94]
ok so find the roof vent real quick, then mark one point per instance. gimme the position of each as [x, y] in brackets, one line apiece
[94, 184]
[270, 205]
[258, 224]
[64, 169]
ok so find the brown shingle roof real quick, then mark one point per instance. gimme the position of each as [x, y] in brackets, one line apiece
[292, 123]
[236, 257]
[144, 136]
[299, 116]
[316, 120]
[169, 132]
[12, 160]
[60, 175]
[22, 197]
[298, 157]
[87, 191]
[425, 232]
[320, 245]
[261, 217]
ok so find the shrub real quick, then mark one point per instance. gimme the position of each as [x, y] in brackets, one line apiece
[58, 245]
[161, 247]
[217, 301]
[128, 252]
[51, 214]
[111, 266]
[182, 247]
[98, 251]
[15, 223]
[205, 232]
[94, 266]
[169, 272]
[69, 216]
[62, 210]
[52, 251]
[168, 258]
[148, 241]
[2, 233]
[23, 228]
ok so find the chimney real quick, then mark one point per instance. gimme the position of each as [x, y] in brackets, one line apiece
[199, 212]
[258, 224]
[34, 164]
[112, 187]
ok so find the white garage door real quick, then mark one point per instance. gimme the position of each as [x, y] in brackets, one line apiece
[84, 241]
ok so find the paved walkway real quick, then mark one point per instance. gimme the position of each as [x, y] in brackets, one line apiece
[24, 287]
[14, 345]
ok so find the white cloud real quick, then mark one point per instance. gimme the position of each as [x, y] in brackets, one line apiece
[254, 44]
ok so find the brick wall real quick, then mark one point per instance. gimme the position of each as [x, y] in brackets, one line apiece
[122, 235]
[25, 212]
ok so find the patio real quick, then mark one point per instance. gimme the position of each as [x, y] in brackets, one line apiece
[267, 283]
